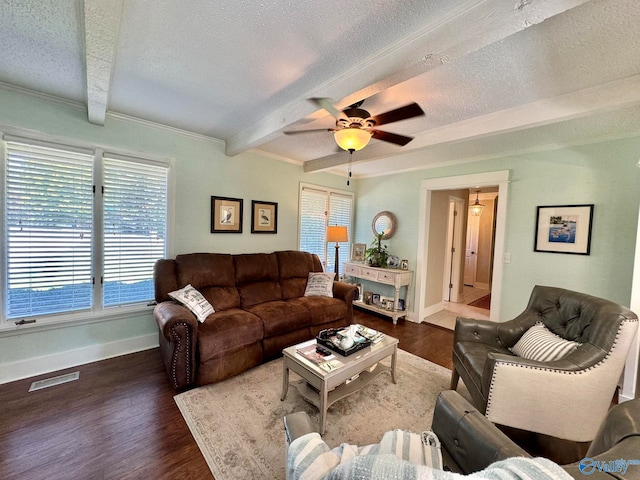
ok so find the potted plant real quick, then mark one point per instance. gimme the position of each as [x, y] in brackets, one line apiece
[377, 255]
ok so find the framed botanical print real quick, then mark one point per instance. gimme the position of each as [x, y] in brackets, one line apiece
[264, 217]
[226, 215]
[564, 229]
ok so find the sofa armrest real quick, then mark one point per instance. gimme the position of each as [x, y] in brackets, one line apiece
[469, 441]
[296, 425]
[344, 291]
[178, 336]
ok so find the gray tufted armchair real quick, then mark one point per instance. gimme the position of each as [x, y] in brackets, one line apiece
[566, 398]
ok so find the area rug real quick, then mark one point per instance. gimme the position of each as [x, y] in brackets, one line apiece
[482, 302]
[238, 423]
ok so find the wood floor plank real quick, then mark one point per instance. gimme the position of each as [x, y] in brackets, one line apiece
[119, 419]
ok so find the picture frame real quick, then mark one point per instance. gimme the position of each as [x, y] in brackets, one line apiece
[368, 298]
[357, 252]
[264, 217]
[375, 299]
[226, 215]
[564, 229]
[360, 291]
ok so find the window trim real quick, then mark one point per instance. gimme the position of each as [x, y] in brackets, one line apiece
[97, 313]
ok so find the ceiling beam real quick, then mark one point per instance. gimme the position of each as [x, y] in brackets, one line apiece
[581, 103]
[474, 25]
[101, 30]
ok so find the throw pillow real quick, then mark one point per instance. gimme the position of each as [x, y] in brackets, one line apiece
[194, 301]
[540, 344]
[319, 284]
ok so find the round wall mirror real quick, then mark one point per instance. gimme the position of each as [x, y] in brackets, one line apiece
[384, 222]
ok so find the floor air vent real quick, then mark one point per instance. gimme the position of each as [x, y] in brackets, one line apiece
[50, 382]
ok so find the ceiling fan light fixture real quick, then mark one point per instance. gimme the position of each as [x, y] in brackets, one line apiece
[352, 138]
[477, 207]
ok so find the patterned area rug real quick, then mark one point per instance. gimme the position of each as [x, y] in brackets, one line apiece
[238, 423]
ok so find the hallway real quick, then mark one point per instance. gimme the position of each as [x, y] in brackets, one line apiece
[447, 317]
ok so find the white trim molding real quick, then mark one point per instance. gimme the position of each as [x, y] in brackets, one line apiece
[31, 367]
[499, 178]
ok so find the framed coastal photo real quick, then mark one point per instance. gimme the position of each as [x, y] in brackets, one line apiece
[226, 215]
[264, 217]
[357, 252]
[564, 229]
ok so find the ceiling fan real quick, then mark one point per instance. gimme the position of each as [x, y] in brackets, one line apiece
[355, 126]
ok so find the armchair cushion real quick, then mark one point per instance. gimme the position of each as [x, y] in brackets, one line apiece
[540, 344]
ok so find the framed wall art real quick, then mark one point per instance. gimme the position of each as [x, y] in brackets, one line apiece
[357, 252]
[264, 217]
[564, 229]
[226, 215]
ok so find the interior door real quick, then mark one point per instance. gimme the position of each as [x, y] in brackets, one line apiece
[471, 250]
[453, 261]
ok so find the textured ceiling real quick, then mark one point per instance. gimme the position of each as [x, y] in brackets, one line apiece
[493, 77]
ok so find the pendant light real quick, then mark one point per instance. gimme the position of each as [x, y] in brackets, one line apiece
[477, 207]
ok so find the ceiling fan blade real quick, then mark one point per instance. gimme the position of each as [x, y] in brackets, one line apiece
[402, 113]
[313, 130]
[391, 137]
[326, 104]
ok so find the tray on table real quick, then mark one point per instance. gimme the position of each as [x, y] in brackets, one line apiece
[325, 337]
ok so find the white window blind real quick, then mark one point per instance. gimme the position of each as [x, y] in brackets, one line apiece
[319, 208]
[314, 206]
[339, 214]
[135, 219]
[48, 229]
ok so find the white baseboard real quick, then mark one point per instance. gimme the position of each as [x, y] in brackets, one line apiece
[13, 371]
[430, 310]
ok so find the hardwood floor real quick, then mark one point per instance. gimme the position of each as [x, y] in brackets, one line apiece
[119, 420]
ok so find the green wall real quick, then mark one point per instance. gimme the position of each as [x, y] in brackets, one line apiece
[201, 170]
[605, 174]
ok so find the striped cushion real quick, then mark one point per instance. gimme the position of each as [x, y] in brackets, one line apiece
[540, 344]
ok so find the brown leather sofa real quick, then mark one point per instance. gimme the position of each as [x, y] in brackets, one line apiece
[260, 308]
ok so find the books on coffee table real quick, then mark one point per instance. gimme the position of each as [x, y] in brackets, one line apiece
[308, 351]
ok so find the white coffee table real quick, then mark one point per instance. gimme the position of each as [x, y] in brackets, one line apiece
[322, 388]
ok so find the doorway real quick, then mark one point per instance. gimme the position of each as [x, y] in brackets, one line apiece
[430, 267]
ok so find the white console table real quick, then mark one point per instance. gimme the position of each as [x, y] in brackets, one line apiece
[388, 276]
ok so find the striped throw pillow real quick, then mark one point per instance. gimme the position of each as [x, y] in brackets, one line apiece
[540, 344]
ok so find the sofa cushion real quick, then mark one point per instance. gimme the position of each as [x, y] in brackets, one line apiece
[213, 274]
[194, 301]
[293, 270]
[257, 278]
[319, 285]
[323, 309]
[540, 344]
[280, 317]
[227, 331]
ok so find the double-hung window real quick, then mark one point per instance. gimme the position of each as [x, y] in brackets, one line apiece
[319, 208]
[82, 230]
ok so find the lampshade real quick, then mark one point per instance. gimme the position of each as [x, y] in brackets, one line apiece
[352, 138]
[477, 207]
[337, 233]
